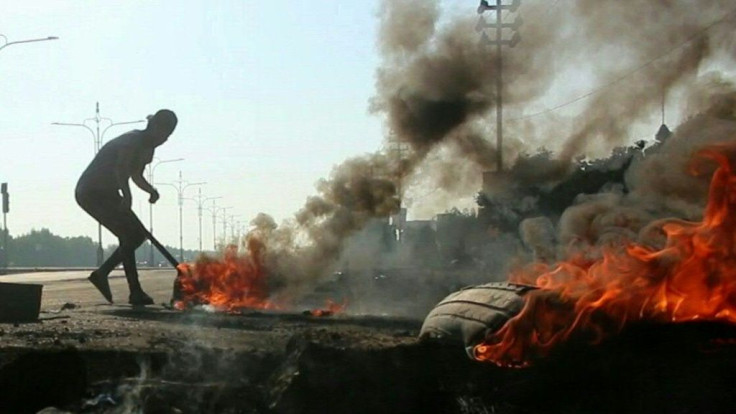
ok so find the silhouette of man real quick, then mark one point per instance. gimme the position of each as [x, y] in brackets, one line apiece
[103, 191]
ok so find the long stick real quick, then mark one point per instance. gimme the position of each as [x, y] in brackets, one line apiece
[161, 248]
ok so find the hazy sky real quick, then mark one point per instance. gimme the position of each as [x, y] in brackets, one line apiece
[270, 95]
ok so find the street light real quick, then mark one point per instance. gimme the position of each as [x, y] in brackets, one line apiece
[180, 187]
[97, 145]
[6, 44]
[214, 210]
[151, 170]
[232, 227]
[235, 228]
[200, 203]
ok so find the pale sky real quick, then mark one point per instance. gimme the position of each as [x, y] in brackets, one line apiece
[269, 95]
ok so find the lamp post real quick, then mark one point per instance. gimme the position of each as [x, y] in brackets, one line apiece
[4, 249]
[215, 210]
[151, 170]
[180, 187]
[233, 225]
[98, 137]
[200, 205]
[6, 43]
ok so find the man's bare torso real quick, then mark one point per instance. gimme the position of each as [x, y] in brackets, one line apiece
[130, 149]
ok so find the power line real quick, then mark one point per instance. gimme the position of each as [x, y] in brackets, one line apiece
[626, 75]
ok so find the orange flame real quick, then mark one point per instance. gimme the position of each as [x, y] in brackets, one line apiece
[230, 284]
[233, 283]
[693, 277]
[331, 308]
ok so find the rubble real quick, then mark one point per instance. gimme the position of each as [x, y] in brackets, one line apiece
[193, 362]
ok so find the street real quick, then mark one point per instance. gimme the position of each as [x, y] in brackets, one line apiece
[72, 287]
[185, 361]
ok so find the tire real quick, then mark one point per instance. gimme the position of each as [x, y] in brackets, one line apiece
[470, 314]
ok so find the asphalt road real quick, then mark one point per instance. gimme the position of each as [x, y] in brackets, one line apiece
[72, 287]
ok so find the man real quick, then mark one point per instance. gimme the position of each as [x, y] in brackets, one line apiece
[103, 191]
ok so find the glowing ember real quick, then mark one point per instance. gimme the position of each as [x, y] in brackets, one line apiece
[693, 277]
[331, 308]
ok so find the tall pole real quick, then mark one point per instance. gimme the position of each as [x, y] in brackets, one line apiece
[224, 228]
[224, 224]
[214, 226]
[180, 187]
[181, 233]
[4, 250]
[200, 207]
[199, 213]
[5, 241]
[5, 209]
[151, 170]
[499, 42]
[97, 145]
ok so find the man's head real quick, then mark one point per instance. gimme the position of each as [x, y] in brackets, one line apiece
[161, 125]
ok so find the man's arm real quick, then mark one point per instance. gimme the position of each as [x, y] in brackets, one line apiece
[143, 184]
[122, 173]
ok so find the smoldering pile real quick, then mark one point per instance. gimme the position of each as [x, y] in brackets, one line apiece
[436, 88]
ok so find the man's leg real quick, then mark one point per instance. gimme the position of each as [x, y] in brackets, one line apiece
[130, 240]
[99, 277]
[111, 263]
[102, 206]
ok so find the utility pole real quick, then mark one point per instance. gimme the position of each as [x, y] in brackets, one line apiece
[6, 210]
[200, 206]
[224, 225]
[499, 42]
[151, 170]
[180, 186]
[97, 145]
[233, 228]
[215, 210]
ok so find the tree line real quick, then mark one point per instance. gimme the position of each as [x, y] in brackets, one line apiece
[42, 248]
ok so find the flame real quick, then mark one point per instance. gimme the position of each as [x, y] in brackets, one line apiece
[693, 277]
[331, 308]
[228, 284]
[233, 283]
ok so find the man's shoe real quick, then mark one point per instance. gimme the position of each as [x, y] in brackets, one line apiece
[140, 299]
[102, 284]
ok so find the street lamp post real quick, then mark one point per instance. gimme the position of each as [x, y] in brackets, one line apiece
[180, 187]
[214, 210]
[224, 223]
[232, 226]
[7, 43]
[97, 145]
[235, 228]
[200, 205]
[4, 250]
[151, 170]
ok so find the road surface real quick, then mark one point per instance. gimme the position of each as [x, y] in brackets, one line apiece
[64, 287]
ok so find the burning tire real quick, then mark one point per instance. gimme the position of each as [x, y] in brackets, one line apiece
[470, 314]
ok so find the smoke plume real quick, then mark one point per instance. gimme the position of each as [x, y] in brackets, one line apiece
[436, 91]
